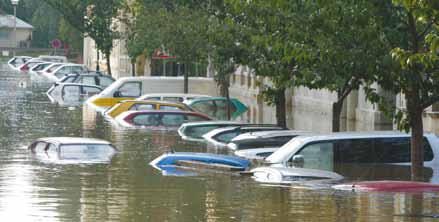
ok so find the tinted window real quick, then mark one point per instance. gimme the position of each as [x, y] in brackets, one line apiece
[105, 81]
[152, 98]
[173, 99]
[172, 119]
[147, 120]
[197, 132]
[397, 150]
[130, 89]
[143, 107]
[85, 151]
[165, 107]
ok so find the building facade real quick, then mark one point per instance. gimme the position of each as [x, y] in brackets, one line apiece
[8, 39]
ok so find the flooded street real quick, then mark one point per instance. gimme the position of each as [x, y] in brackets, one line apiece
[128, 189]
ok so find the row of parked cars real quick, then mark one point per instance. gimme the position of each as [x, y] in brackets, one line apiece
[271, 154]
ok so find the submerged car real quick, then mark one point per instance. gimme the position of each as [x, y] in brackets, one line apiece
[55, 73]
[256, 153]
[71, 94]
[175, 163]
[39, 67]
[89, 78]
[17, 61]
[171, 97]
[221, 136]
[388, 186]
[286, 175]
[217, 107]
[25, 68]
[158, 119]
[340, 152]
[49, 58]
[195, 131]
[263, 139]
[138, 105]
[72, 150]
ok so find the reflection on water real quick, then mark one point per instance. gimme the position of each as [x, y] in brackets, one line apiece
[128, 189]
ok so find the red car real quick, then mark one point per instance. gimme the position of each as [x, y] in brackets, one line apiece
[160, 119]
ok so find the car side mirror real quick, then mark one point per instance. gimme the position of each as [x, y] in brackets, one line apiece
[298, 161]
[117, 94]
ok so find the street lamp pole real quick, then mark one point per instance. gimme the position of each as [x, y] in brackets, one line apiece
[15, 3]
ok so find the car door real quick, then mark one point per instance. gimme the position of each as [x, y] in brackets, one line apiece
[129, 90]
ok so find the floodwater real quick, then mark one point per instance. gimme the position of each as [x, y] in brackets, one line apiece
[128, 189]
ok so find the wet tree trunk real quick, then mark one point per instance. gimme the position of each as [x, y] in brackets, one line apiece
[417, 134]
[107, 57]
[280, 108]
[186, 82]
[336, 114]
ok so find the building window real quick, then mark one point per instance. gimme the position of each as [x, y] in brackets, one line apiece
[4, 34]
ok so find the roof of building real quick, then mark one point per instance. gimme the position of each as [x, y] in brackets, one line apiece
[7, 21]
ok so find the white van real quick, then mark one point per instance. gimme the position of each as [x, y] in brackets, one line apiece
[358, 153]
[128, 88]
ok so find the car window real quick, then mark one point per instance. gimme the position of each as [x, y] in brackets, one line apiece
[194, 118]
[69, 79]
[152, 98]
[173, 99]
[40, 147]
[397, 150]
[318, 156]
[165, 107]
[197, 132]
[105, 81]
[226, 136]
[147, 120]
[172, 119]
[207, 107]
[89, 80]
[52, 148]
[88, 90]
[85, 151]
[51, 69]
[143, 107]
[130, 89]
[71, 93]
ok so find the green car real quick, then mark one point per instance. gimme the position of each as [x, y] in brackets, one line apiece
[216, 107]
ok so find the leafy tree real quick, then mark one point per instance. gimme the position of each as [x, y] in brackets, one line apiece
[414, 69]
[93, 18]
[99, 25]
[340, 48]
[175, 25]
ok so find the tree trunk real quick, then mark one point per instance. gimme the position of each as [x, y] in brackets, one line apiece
[417, 147]
[107, 57]
[186, 82]
[280, 108]
[97, 60]
[336, 113]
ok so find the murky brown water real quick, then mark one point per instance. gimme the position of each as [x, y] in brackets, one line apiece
[128, 189]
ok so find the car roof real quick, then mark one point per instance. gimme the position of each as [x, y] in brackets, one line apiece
[269, 134]
[202, 99]
[72, 140]
[160, 102]
[174, 95]
[76, 84]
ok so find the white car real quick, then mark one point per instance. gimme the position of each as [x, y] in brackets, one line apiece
[72, 150]
[273, 138]
[221, 136]
[55, 74]
[29, 65]
[342, 152]
[257, 153]
[17, 61]
[71, 94]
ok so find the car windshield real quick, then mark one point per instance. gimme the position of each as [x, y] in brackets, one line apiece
[199, 131]
[86, 151]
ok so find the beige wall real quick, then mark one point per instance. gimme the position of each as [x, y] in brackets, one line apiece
[23, 35]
